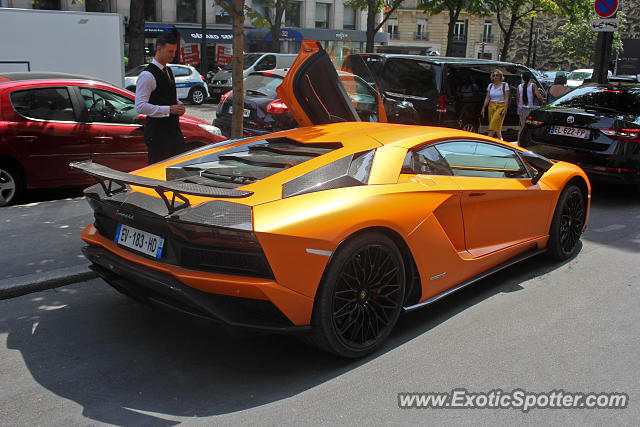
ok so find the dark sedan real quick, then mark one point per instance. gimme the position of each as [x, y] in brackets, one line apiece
[265, 112]
[596, 126]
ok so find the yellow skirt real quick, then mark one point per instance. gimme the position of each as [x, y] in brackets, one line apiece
[495, 118]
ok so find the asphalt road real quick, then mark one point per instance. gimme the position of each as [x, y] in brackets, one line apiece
[85, 355]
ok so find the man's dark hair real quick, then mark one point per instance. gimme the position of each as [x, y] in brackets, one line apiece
[167, 38]
[560, 79]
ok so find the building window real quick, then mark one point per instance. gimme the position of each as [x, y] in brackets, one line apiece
[292, 15]
[460, 31]
[349, 22]
[322, 15]
[149, 10]
[421, 29]
[46, 4]
[222, 16]
[186, 11]
[392, 28]
[487, 37]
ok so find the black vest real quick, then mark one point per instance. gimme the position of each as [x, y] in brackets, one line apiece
[164, 94]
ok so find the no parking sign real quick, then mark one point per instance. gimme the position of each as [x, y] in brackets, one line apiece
[606, 8]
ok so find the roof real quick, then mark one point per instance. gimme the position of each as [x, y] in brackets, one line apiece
[42, 75]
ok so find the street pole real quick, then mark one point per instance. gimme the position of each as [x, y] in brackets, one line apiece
[203, 44]
[237, 13]
[603, 54]
[535, 49]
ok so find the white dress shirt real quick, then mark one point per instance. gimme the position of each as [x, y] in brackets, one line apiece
[146, 84]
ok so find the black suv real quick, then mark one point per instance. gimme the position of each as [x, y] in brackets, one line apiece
[444, 91]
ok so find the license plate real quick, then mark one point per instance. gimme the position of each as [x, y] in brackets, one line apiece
[569, 131]
[245, 113]
[138, 240]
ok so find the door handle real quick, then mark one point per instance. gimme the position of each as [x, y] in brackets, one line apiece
[104, 138]
[26, 138]
[476, 194]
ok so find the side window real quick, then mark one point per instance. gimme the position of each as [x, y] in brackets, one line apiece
[425, 161]
[180, 71]
[108, 107]
[468, 158]
[363, 98]
[44, 104]
[266, 63]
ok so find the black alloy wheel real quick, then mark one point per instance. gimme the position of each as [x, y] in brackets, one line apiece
[360, 298]
[568, 222]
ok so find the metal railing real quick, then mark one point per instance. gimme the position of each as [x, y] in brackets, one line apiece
[394, 36]
[487, 39]
[459, 37]
[421, 36]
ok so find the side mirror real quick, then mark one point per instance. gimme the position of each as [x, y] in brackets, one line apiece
[539, 163]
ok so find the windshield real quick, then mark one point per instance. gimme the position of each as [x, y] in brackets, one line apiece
[579, 75]
[262, 84]
[248, 59]
[409, 77]
[623, 99]
[136, 71]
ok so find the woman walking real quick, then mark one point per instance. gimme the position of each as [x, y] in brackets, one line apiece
[558, 89]
[526, 92]
[498, 100]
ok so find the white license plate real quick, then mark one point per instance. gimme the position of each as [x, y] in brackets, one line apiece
[141, 241]
[569, 131]
[245, 113]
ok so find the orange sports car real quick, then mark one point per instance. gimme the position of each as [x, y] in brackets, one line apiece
[333, 230]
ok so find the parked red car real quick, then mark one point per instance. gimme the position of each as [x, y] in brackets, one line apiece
[48, 120]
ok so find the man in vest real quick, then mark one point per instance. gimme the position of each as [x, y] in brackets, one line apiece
[156, 98]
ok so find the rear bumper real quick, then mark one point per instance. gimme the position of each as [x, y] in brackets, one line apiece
[154, 287]
[230, 299]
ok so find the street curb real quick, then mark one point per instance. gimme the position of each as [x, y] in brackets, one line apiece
[22, 285]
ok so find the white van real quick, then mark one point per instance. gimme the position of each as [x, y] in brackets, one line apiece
[251, 62]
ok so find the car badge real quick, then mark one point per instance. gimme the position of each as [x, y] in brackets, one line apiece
[570, 119]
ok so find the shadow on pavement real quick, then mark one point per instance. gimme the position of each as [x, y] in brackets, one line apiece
[127, 364]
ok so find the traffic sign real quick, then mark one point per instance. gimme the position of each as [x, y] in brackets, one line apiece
[611, 24]
[606, 8]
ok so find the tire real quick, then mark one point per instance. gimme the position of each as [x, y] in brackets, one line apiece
[568, 221]
[360, 298]
[11, 184]
[197, 95]
[469, 127]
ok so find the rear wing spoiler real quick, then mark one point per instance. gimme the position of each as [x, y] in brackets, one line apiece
[108, 177]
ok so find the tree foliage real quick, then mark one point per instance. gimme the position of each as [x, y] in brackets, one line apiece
[373, 7]
[266, 20]
[454, 8]
[579, 40]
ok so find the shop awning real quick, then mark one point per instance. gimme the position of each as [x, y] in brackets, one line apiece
[214, 35]
[154, 30]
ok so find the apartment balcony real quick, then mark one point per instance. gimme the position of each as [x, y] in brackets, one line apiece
[394, 36]
[488, 39]
[459, 37]
[421, 36]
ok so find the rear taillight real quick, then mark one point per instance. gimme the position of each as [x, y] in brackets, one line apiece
[442, 104]
[202, 77]
[632, 135]
[277, 107]
[225, 96]
[533, 123]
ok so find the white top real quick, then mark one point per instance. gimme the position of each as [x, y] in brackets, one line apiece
[497, 94]
[530, 96]
[146, 84]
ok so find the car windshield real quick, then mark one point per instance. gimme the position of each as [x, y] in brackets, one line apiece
[248, 60]
[624, 99]
[579, 75]
[409, 77]
[135, 71]
[262, 84]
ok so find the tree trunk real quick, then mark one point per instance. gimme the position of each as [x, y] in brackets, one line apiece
[237, 124]
[277, 24]
[453, 18]
[371, 25]
[507, 38]
[136, 33]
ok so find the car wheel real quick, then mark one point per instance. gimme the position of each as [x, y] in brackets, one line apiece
[360, 298]
[11, 184]
[568, 221]
[197, 95]
[469, 127]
